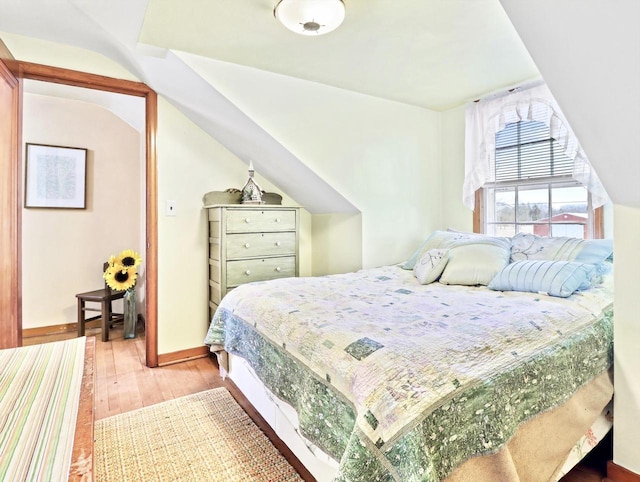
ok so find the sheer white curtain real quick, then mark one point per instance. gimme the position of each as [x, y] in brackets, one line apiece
[488, 116]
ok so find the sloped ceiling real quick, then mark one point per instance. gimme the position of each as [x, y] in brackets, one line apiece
[434, 54]
[595, 77]
[429, 53]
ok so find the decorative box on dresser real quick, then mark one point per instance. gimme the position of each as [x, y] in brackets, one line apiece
[250, 243]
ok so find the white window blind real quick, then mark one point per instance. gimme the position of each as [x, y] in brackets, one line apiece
[533, 190]
[526, 150]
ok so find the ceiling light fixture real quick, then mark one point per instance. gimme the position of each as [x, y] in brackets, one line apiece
[310, 17]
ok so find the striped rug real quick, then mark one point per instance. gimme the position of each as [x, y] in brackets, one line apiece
[39, 394]
[205, 436]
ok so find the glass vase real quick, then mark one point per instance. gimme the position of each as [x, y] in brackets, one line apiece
[130, 314]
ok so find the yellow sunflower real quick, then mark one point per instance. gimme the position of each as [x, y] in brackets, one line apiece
[120, 278]
[127, 259]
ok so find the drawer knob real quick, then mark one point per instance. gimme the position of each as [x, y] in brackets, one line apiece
[278, 269]
[247, 220]
[247, 272]
[247, 245]
[278, 243]
[277, 220]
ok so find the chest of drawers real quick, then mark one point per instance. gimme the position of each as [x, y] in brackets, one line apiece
[250, 243]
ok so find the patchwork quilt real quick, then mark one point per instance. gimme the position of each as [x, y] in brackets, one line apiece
[403, 382]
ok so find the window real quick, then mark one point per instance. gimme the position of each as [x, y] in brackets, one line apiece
[525, 170]
[534, 191]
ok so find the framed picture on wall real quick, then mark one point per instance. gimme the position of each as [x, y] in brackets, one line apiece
[55, 177]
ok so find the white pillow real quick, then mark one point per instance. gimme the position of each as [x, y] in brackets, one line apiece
[431, 265]
[476, 262]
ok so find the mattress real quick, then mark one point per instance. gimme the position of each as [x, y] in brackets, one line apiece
[400, 381]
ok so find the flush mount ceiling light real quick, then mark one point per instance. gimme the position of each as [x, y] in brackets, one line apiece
[310, 17]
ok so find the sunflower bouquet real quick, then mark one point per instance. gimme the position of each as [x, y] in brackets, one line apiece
[122, 270]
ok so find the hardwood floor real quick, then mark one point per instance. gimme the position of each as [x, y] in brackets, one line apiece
[124, 383]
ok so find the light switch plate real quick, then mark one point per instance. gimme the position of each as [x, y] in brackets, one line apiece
[170, 208]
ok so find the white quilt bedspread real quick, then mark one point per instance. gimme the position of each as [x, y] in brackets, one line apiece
[402, 381]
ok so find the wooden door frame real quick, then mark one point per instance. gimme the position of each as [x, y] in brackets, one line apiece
[44, 73]
[11, 210]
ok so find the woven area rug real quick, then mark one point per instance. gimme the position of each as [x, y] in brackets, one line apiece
[205, 436]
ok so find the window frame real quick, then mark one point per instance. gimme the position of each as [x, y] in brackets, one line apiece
[596, 221]
[480, 209]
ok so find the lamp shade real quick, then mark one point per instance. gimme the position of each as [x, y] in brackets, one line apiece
[310, 17]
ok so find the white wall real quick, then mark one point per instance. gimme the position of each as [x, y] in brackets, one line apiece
[337, 243]
[626, 440]
[63, 249]
[454, 214]
[383, 156]
[190, 164]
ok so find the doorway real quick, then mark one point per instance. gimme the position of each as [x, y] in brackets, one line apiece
[90, 81]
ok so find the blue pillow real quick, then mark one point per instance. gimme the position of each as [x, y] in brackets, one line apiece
[555, 278]
[595, 251]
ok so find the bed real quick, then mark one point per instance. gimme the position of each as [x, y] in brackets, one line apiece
[47, 411]
[382, 378]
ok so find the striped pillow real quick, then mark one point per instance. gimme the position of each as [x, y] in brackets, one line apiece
[555, 278]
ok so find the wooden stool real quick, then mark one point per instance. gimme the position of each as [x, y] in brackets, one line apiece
[104, 297]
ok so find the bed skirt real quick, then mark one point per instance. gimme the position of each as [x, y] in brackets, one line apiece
[539, 451]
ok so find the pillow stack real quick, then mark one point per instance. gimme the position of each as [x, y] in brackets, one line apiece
[459, 258]
[553, 266]
[526, 262]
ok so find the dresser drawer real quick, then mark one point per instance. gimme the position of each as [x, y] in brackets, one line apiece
[252, 245]
[258, 220]
[249, 270]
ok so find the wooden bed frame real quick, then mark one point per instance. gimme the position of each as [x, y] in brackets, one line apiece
[81, 468]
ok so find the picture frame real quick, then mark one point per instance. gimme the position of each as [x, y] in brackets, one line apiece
[55, 177]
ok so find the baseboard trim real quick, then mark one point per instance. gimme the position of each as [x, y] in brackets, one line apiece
[616, 473]
[56, 329]
[66, 328]
[183, 355]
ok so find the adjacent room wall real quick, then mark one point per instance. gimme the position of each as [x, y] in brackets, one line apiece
[63, 249]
